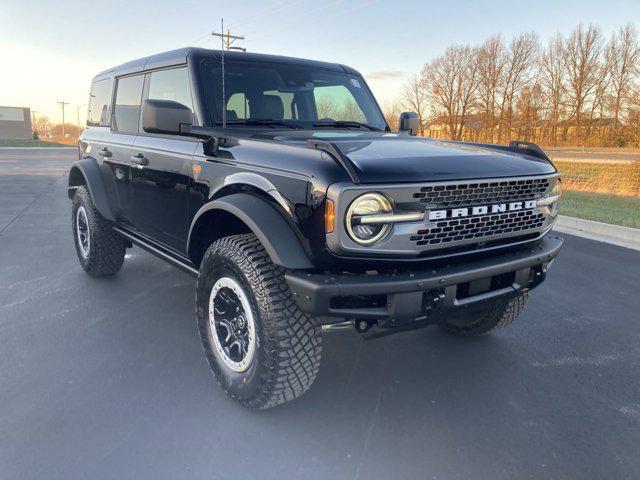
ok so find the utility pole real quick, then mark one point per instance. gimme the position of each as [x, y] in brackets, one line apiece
[226, 42]
[62, 103]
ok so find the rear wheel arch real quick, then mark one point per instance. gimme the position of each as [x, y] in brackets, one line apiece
[76, 179]
[86, 172]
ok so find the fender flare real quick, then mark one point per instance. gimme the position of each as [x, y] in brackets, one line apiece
[272, 229]
[88, 168]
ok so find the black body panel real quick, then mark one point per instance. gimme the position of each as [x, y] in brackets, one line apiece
[407, 294]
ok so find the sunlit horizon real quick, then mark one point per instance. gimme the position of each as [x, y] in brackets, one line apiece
[52, 57]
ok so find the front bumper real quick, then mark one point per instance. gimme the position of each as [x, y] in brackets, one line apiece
[434, 293]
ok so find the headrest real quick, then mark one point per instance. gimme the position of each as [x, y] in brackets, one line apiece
[267, 106]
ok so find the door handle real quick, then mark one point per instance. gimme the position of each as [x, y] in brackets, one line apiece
[140, 159]
[105, 152]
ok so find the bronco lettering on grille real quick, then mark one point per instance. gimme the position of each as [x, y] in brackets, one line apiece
[480, 210]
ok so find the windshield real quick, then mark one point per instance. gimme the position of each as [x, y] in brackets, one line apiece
[297, 96]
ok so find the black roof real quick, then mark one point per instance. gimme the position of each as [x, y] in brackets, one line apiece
[180, 56]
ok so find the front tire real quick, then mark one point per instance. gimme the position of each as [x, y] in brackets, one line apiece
[100, 249]
[495, 318]
[261, 347]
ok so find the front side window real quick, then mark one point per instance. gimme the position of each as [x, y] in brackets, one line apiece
[171, 84]
[126, 111]
[302, 95]
[99, 103]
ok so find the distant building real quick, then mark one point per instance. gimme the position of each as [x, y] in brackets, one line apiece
[15, 122]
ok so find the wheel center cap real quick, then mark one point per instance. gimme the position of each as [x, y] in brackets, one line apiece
[241, 321]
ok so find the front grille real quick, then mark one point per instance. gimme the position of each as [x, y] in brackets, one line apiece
[482, 193]
[456, 230]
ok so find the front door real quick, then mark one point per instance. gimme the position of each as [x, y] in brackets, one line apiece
[162, 168]
[160, 185]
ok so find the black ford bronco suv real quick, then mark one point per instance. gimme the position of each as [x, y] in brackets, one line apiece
[279, 185]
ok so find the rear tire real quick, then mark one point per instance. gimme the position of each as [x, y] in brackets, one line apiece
[499, 316]
[100, 249]
[262, 349]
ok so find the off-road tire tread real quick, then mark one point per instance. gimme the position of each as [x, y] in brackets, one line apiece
[292, 339]
[107, 248]
[493, 319]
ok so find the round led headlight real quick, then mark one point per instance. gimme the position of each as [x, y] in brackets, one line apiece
[366, 233]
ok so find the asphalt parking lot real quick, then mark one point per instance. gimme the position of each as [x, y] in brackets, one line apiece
[105, 378]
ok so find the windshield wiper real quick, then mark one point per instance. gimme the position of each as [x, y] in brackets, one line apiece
[345, 123]
[260, 121]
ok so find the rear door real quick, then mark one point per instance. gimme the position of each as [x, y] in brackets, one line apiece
[117, 144]
[161, 178]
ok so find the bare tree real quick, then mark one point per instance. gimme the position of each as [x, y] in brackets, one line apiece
[582, 56]
[41, 124]
[519, 70]
[491, 65]
[392, 110]
[553, 78]
[413, 97]
[452, 81]
[623, 59]
[528, 107]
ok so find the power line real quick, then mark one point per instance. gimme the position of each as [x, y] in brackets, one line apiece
[269, 10]
[300, 15]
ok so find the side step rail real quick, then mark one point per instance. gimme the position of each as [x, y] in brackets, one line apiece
[158, 252]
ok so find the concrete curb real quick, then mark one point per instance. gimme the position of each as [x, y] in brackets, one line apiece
[602, 232]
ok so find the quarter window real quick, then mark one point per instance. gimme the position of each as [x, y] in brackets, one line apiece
[126, 112]
[99, 103]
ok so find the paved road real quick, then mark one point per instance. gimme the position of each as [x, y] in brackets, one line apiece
[105, 378]
[603, 155]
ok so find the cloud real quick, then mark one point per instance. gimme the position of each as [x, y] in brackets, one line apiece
[384, 74]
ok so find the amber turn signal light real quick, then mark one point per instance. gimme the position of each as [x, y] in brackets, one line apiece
[329, 216]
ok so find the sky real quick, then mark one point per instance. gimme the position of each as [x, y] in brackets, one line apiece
[50, 50]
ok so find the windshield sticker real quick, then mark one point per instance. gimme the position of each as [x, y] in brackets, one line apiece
[355, 82]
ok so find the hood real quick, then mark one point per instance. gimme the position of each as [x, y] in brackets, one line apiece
[390, 157]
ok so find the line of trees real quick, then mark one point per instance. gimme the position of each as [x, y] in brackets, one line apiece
[43, 127]
[580, 89]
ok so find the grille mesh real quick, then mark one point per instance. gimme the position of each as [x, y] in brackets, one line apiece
[482, 193]
[455, 230]
[451, 231]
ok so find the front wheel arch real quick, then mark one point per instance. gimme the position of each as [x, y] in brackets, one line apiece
[245, 213]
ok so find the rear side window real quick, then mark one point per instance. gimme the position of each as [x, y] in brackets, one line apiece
[126, 111]
[171, 84]
[99, 103]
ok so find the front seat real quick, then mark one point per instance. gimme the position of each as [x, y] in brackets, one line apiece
[267, 106]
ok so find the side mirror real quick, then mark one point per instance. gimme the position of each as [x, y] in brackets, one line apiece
[165, 116]
[408, 122]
